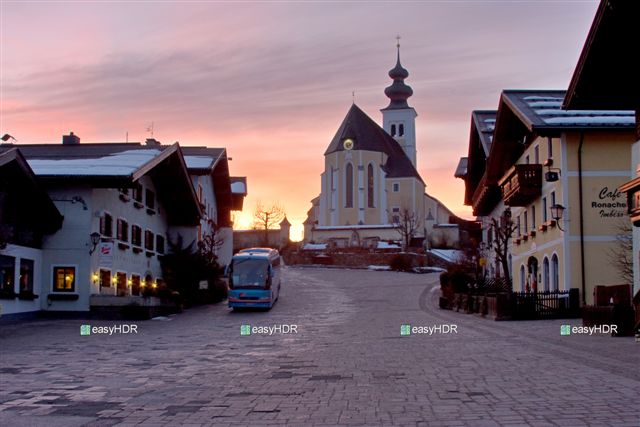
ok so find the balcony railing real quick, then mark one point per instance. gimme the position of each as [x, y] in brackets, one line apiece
[521, 184]
[485, 197]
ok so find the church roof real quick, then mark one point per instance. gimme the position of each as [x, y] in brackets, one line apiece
[369, 136]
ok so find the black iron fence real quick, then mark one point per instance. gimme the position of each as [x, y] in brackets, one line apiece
[545, 305]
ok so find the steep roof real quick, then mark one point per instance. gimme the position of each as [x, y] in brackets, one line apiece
[606, 75]
[369, 136]
[25, 201]
[113, 165]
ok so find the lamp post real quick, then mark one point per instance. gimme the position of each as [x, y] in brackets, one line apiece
[556, 213]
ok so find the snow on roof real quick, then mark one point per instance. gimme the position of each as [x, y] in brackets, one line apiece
[542, 98]
[124, 163]
[451, 255]
[543, 104]
[591, 120]
[238, 187]
[386, 245]
[314, 246]
[198, 162]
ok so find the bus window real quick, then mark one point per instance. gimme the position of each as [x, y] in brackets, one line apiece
[249, 273]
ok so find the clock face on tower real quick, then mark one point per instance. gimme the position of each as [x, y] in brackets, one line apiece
[348, 144]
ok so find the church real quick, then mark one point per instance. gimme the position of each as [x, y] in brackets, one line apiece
[371, 185]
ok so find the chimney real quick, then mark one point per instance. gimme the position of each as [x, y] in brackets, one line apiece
[152, 142]
[70, 139]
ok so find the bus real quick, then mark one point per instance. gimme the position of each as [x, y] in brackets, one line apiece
[254, 278]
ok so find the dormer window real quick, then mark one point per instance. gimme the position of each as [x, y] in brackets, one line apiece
[393, 130]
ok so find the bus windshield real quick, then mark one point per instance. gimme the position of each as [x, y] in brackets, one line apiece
[249, 272]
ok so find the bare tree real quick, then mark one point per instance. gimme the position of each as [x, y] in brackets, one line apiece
[210, 243]
[267, 217]
[502, 230]
[406, 223]
[621, 255]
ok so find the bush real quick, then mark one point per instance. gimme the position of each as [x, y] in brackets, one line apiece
[401, 262]
[460, 280]
[444, 279]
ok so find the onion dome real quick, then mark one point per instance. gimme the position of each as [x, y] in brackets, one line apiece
[398, 92]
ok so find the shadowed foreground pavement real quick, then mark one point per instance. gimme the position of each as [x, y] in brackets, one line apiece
[347, 365]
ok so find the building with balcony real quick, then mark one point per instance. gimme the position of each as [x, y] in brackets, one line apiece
[99, 218]
[536, 160]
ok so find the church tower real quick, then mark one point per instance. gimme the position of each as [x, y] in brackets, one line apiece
[398, 118]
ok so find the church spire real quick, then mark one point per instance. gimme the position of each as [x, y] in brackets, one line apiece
[398, 92]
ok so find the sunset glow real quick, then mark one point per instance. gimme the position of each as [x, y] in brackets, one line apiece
[271, 82]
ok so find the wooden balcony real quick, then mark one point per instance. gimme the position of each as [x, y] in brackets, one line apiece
[485, 198]
[521, 184]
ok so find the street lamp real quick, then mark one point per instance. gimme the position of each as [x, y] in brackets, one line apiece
[95, 239]
[556, 213]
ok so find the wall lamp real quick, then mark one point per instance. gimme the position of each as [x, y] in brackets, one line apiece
[556, 213]
[95, 239]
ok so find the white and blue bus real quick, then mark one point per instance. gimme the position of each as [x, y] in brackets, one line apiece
[254, 278]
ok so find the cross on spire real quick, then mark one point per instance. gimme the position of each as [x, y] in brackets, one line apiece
[398, 41]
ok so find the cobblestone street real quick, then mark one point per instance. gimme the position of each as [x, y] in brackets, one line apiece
[347, 365]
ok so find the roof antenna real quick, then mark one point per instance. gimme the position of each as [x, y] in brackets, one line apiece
[150, 129]
[7, 137]
[353, 96]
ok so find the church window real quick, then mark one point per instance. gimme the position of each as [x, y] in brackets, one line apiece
[401, 129]
[370, 192]
[393, 130]
[349, 184]
[395, 218]
[396, 187]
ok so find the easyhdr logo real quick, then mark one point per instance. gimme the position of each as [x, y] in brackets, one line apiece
[108, 330]
[406, 330]
[588, 330]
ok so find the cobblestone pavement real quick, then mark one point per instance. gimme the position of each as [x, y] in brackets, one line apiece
[347, 365]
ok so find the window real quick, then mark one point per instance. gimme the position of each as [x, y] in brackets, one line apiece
[555, 273]
[553, 199]
[135, 284]
[159, 244]
[370, 188]
[401, 129]
[105, 278]
[137, 193]
[150, 198]
[544, 209]
[549, 148]
[490, 237]
[525, 217]
[393, 130]
[7, 273]
[149, 239]
[536, 154]
[526, 160]
[200, 193]
[106, 225]
[396, 187]
[64, 279]
[533, 218]
[518, 226]
[349, 185]
[545, 274]
[522, 283]
[26, 275]
[122, 230]
[121, 283]
[136, 235]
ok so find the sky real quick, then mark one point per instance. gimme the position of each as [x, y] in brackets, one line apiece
[272, 81]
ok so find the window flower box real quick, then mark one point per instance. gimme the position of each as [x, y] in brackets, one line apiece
[63, 297]
[516, 241]
[4, 294]
[149, 254]
[551, 223]
[123, 246]
[138, 205]
[524, 237]
[27, 295]
[542, 227]
[532, 233]
[151, 211]
[125, 198]
[136, 250]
